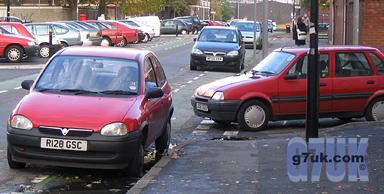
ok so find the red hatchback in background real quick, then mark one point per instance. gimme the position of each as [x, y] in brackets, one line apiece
[15, 47]
[110, 36]
[351, 86]
[16, 28]
[92, 107]
[130, 35]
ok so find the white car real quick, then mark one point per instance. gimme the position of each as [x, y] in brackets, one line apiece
[247, 32]
[152, 21]
[149, 32]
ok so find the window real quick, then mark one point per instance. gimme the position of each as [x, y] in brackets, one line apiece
[352, 64]
[10, 29]
[29, 28]
[300, 68]
[110, 25]
[150, 79]
[169, 23]
[161, 79]
[60, 29]
[377, 62]
[42, 29]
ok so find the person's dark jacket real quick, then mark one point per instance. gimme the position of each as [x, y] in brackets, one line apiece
[302, 27]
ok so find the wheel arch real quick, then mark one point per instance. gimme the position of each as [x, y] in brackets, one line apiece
[262, 98]
[13, 44]
[376, 95]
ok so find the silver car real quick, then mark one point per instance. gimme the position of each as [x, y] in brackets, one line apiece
[247, 32]
[67, 36]
[89, 36]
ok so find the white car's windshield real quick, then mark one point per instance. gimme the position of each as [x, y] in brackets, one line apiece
[81, 74]
[274, 63]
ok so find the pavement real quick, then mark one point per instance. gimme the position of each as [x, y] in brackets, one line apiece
[257, 166]
[234, 163]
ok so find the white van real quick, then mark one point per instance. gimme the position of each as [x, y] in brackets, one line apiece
[152, 21]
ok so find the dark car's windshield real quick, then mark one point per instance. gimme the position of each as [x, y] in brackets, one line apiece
[247, 26]
[81, 74]
[274, 63]
[218, 35]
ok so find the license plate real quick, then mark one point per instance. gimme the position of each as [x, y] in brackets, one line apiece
[214, 58]
[63, 144]
[202, 107]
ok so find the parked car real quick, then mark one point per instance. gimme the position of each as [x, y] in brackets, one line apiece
[20, 29]
[89, 36]
[151, 21]
[169, 27]
[114, 34]
[130, 34]
[351, 86]
[97, 108]
[15, 47]
[270, 26]
[247, 32]
[149, 32]
[61, 35]
[12, 19]
[193, 20]
[274, 26]
[218, 46]
[16, 28]
[67, 36]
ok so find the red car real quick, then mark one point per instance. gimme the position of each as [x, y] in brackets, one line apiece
[92, 107]
[15, 47]
[110, 36]
[16, 28]
[351, 86]
[130, 35]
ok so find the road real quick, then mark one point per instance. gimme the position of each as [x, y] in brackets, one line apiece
[173, 53]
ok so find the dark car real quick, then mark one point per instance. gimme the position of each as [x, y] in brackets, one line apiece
[218, 46]
[169, 27]
[351, 86]
[192, 20]
[92, 107]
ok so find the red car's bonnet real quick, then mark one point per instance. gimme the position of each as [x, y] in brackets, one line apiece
[85, 112]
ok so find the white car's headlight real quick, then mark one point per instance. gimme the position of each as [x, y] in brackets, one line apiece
[197, 51]
[233, 53]
[21, 122]
[218, 96]
[114, 129]
[32, 43]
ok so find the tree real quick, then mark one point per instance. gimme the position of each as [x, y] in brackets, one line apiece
[180, 7]
[227, 11]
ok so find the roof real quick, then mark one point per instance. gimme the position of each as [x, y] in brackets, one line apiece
[98, 51]
[328, 48]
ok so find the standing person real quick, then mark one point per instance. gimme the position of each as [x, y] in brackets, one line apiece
[302, 31]
[294, 32]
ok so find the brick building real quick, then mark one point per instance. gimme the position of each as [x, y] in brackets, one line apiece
[370, 25]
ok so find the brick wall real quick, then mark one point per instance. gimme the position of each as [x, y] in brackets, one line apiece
[39, 14]
[372, 26]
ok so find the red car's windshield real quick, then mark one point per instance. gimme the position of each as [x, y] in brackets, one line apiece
[90, 74]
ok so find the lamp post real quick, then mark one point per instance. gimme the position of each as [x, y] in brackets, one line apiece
[313, 78]
[210, 7]
[8, 9]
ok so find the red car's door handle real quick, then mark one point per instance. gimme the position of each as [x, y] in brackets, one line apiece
[323, 84]
[370, 82]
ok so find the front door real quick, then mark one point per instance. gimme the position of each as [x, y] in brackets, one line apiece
[293, 92]
[153, 107]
